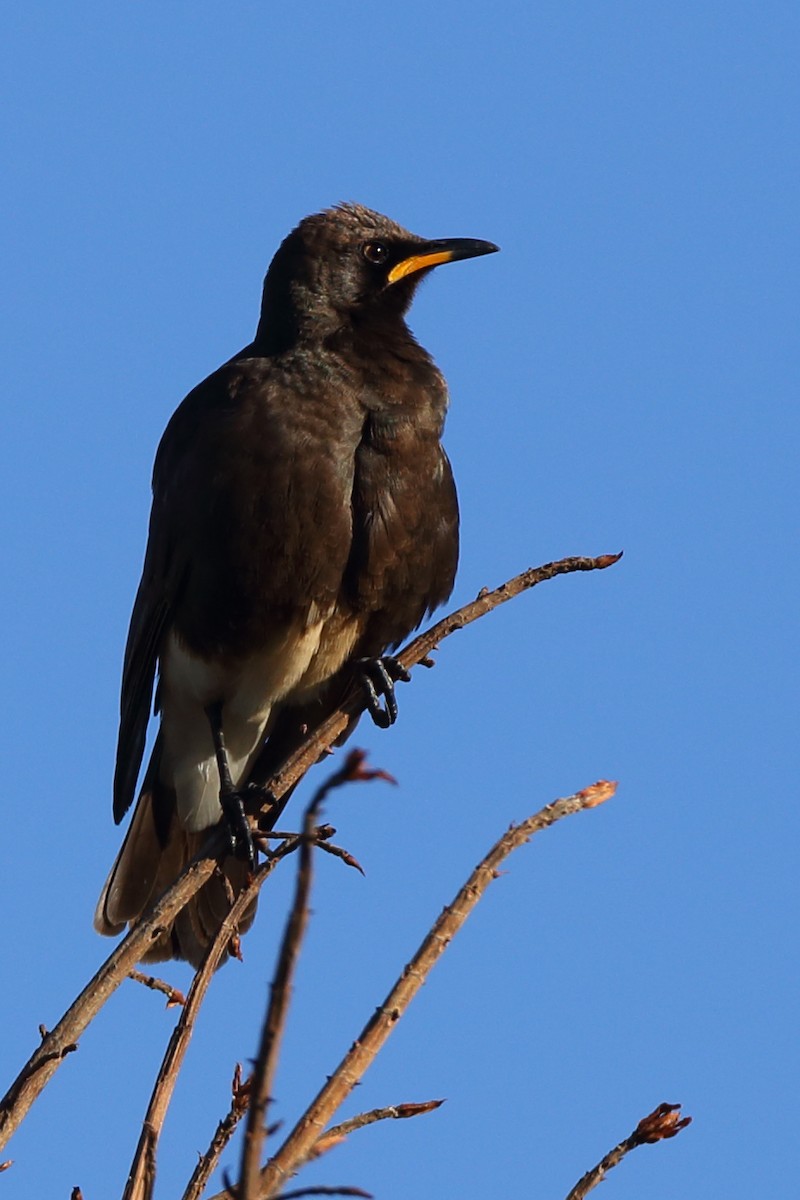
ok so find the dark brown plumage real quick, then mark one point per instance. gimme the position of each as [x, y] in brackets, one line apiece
[304, 516]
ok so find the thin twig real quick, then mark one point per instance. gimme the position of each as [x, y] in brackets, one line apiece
[44, 1061]
[143, 1168]
[274, 1021]
[174, 997]
[240, 1098]
[352, 770]
[299, 1144]
[664, 1122]
[393, 1112]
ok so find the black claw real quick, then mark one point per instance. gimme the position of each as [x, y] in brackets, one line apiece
[256, 793]
[240, 838]
[378, 676]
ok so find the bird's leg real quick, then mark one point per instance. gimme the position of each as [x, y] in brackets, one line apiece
[378, 676]
[241, 839]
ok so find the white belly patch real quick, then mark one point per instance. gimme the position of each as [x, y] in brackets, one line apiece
[294, 665]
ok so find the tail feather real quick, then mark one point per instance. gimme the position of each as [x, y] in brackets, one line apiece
[154, 853]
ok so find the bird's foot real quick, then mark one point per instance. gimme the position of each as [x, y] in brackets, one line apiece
[256, 795]
[378, 677]
[240, 839]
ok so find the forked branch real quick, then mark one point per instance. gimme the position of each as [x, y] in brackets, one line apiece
[47, 1057]
[303, 1141]
[352, 771]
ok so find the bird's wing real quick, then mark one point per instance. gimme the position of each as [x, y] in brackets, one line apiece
[406, 539]
[162, 576]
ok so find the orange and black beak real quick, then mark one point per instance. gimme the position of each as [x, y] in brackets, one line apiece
[431, 254]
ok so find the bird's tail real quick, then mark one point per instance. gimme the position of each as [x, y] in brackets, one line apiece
[154, 853]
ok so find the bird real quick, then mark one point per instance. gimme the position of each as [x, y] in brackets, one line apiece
[304, 521]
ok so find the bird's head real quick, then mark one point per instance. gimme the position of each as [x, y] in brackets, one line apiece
[345, 264]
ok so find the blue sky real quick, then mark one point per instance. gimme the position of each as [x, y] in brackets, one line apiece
[623, 375]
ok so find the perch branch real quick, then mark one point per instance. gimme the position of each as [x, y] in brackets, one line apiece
[417, 651]
[45, 1060]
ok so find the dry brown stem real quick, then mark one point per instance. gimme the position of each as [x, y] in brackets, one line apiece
[299, 1145]
[240, 1099]
[274, 1021]
[664, 1122]
[393, 1112]
[143, 1168]
[353, 770]
[46, 1058]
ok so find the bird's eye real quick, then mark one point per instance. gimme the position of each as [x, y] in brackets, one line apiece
[375, 252]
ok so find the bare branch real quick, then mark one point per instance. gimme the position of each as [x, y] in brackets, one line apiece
[274, 1022]
[393, 1112]
[240, 1099]
[352, 770]
[299, 1145]
[664, 1122]
[46, 1058]
[143, 1168]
